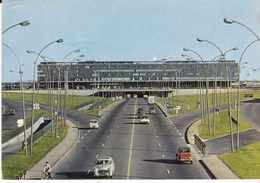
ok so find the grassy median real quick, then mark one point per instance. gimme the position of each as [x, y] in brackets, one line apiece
[245, 163]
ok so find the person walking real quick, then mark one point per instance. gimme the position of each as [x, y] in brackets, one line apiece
[47, 171]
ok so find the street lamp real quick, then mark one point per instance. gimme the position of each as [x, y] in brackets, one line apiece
[33, 96]
[203, 110]
[230, 21]
[22, 93]
[238, 95]
[66, 85]
[24, 23]
[229, 102]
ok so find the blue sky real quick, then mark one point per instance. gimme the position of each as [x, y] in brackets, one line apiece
[128, 30]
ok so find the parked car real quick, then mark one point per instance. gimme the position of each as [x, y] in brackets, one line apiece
[93, 123]
[104, 166]
[184, 155]
[152, 111]
[145, 119]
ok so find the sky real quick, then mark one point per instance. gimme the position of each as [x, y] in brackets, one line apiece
[126, 30]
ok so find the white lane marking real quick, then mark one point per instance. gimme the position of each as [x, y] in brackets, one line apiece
[88, 131]
[82, 137]
[182, 137]
[177, 130]
[168, 171]
[103, 145]
[88, 171]
[107, 137]
[179, 133]
[156, 136]
[85, 134]
[97, 156]
[163, 155]
[159, 144]
[111, 130]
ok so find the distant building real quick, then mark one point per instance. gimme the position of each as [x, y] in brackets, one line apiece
[127, 74]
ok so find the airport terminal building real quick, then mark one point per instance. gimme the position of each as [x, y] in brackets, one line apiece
[135, 74]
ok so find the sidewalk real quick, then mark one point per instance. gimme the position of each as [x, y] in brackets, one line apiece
[57, 153]
[217, 168]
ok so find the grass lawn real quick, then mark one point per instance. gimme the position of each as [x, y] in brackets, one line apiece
[245, 163]
[12, 166]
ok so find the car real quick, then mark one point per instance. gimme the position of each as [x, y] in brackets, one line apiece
[152, 111]
[145, 119]
[140, 112]
[11, 111]
[93, 123]
[104, 167]
[184, 155]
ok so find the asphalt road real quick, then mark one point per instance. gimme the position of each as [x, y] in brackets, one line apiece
[10, 121]
[140, 151]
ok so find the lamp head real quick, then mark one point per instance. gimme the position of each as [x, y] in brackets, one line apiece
[183, 55]
[25, 23]
[228, 21]
[82, 55]
[235, 49]
[186, 49]
[200, 39]
[59, 41]
[29, 51]
[78, 50]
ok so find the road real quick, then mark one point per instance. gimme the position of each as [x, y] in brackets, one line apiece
[140, 151]
[10, 121]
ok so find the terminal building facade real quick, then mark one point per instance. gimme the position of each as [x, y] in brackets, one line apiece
[135, 74]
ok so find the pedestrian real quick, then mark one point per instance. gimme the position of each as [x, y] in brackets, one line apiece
[47, 170]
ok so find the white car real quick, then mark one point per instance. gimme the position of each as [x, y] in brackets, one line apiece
[104, 166]
[93, 123]
[145, 119]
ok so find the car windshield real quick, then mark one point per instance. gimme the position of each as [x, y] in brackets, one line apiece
[93, 121]
[102, 162]
[144, 117]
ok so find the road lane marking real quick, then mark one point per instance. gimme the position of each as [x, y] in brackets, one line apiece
[103, 145]
[97, 156]
[179, 133]
[159, 144]
[107, 137]
[131, 148]
[163, 155]
[88, 171]
[168, 171]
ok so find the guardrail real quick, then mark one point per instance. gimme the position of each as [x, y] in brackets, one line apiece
[200, 144]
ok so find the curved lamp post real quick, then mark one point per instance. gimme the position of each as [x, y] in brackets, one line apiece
[66, 86]
[229, 100]
[33, 96]
[199, 81]
[22, 93]
[230, 21]
[203, 112]
[238, 95]
[24, 23]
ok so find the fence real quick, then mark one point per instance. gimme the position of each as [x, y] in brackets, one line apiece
[18, 130]
[200, 144]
